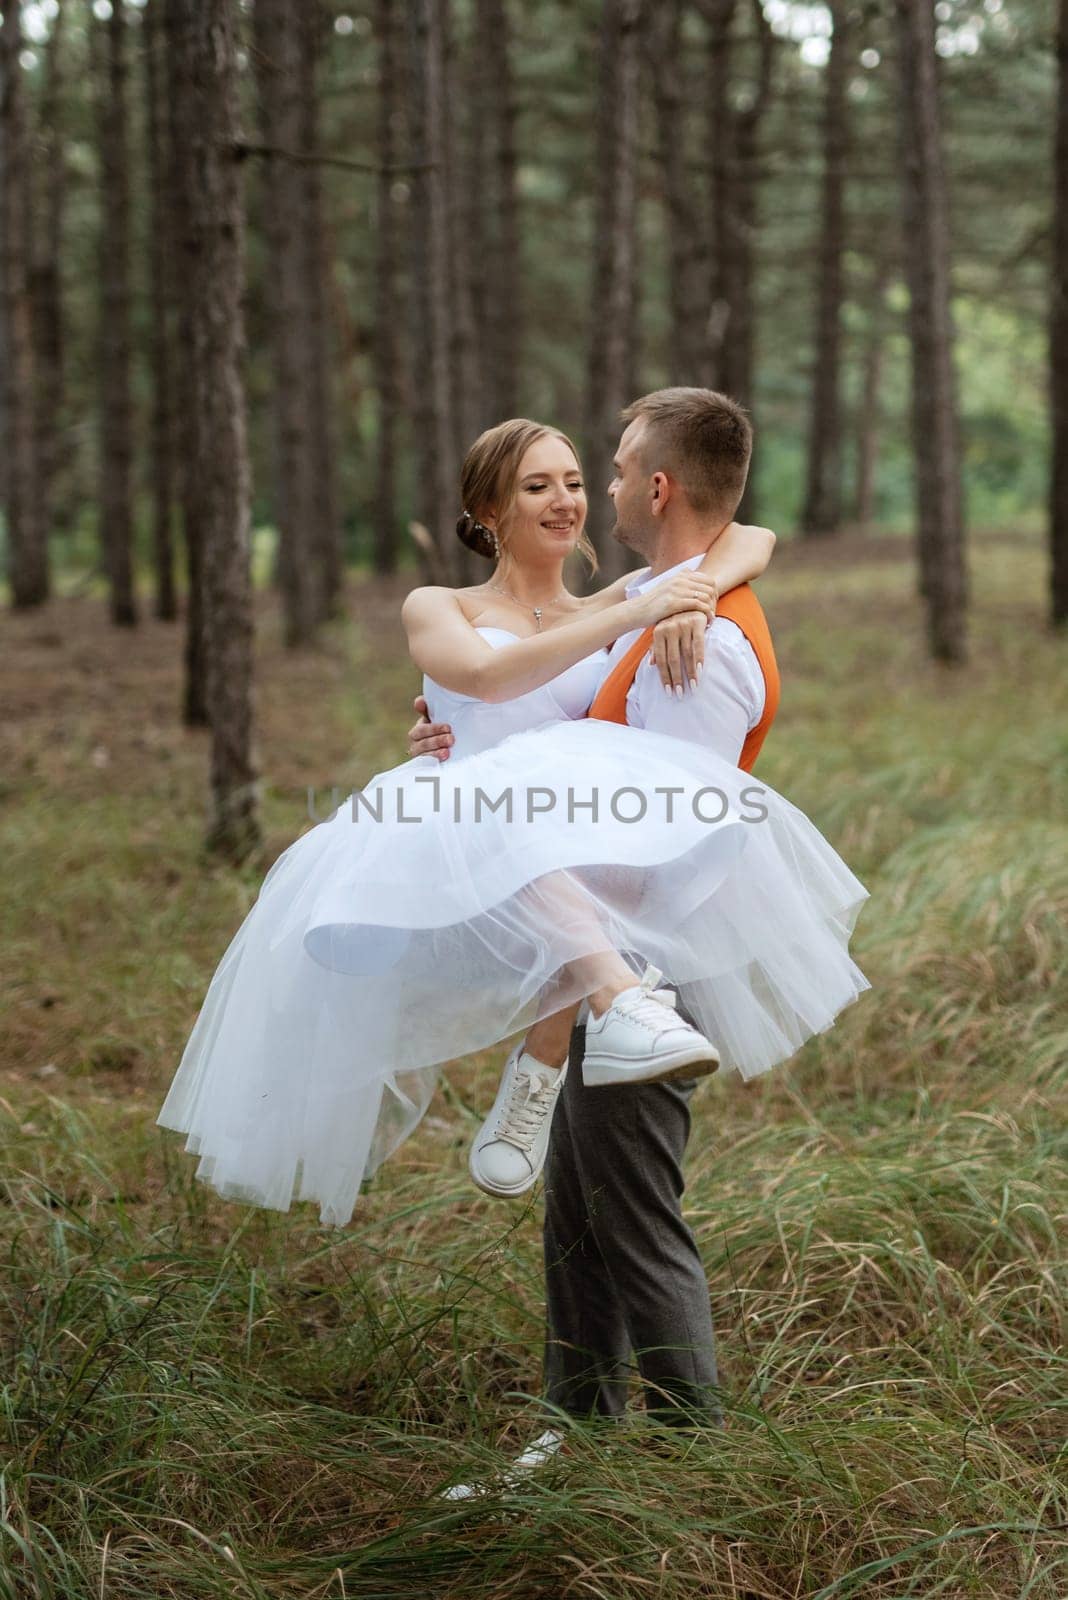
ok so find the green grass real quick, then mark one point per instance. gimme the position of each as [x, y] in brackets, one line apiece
[202, 1401]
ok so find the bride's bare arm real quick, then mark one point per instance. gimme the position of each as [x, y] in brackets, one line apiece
[445, 645]
[737, 555]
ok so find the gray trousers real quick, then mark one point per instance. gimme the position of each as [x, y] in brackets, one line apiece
[622, 1268]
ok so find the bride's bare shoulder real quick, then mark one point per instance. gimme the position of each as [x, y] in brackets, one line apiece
[436, 601]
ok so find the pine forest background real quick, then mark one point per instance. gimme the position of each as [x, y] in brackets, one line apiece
[527, 191]
[265, 271]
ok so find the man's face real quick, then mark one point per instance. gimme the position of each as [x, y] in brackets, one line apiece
[631, 493]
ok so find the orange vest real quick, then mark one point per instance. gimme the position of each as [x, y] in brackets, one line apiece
[739, 606]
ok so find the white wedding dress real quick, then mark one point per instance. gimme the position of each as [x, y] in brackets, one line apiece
[440, 909]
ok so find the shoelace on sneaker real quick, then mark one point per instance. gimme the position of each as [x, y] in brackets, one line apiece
[522, 1118]
[637, 1007]
[648, 1011]
[649, 991]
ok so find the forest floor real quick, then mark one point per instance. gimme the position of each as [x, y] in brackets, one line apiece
[203, 1400]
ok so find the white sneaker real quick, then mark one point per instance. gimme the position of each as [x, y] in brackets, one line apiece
[544, 1448]
[638, 1039]
[508, 1152]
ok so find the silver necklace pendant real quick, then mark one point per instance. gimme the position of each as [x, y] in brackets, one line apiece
[537, 616]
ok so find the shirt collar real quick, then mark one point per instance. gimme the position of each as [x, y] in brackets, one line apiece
[642, 581]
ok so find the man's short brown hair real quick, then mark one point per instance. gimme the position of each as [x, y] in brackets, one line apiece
[703, 439]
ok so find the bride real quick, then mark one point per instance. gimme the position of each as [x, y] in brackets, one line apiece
[427, 918]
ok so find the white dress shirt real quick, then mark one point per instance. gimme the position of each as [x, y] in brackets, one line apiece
[729, 698]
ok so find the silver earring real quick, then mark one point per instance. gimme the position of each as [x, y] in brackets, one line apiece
[496, 544]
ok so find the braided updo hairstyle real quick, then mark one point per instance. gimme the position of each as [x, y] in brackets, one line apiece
[488, 479]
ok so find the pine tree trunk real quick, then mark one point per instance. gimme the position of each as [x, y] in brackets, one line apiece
[320, 366]
[181, 108]
[437, 467]
[387, 295]
[822, 512]
[869, 411]
[466, 379]
[1059, 344]
[612, 313]
[719, 141]
[940, 520]
[162, 429]
[278, 63]
[47, 287]
[114, 343]
[461, 181]
[478, 95]
[504, 276]
[27, 551]
[734, 136]
[740, 335]
[201, 35]
[685, 263]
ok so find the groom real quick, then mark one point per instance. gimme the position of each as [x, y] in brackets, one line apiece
[622, 1268]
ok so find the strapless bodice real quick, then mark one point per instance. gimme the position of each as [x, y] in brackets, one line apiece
[477, 725]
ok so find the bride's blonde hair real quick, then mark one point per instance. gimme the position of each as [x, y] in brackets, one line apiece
[488, 479]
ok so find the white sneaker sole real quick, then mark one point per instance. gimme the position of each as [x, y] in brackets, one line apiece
[689, 1061]
[497, 1192]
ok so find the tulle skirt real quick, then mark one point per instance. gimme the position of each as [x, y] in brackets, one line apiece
[446, 906]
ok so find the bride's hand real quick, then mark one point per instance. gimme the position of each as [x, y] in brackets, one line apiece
[687, 591]
[428, 738]
[679, 649]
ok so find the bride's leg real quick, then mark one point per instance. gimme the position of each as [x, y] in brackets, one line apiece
[602, 975]
[549, 1040]
[509, 1150]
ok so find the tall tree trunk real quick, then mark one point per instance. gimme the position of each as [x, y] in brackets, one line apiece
[940, 519]
[614, 296]
[734, 136]
[47, 285]
[387, 297]
[290, 294]
[114, 343]
[465, 364]
[822, 512]
[478, 96]
[180, 110]
[719, 140]
[685, 263]
[321, 368]
[869, 410]
[1059, 344]
[437, 467]
[161, 454]
[200, 34]
[27, 550]
[495, 110]
[744, 215]
[461, 180]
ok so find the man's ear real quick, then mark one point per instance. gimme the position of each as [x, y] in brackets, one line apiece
[661, 492]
